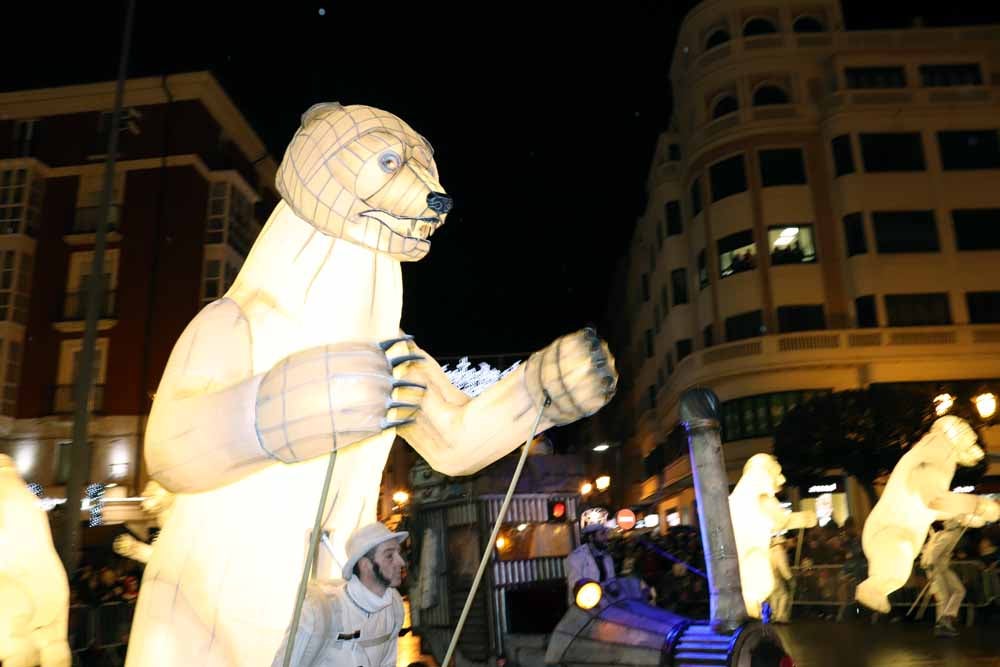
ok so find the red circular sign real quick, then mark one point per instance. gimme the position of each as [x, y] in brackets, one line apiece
[625, 519]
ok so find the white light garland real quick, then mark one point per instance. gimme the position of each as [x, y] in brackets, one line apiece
[473, 381]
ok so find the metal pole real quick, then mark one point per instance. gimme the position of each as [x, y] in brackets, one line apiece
[700, 416]
[80, 471]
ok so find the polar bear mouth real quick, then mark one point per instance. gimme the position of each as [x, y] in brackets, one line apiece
[411, 227]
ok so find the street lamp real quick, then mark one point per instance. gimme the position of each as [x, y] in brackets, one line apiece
[603, 482]
[400, 498]
[586, 488]
[603, 447]
[986, 404]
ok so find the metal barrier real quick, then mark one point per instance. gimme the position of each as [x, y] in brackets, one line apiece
[103, 627]
[830, 586]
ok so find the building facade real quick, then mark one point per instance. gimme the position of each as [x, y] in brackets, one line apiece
[823, 214]
[192, 183]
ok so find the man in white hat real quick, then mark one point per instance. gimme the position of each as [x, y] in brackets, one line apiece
[591, 559]
[354, 623]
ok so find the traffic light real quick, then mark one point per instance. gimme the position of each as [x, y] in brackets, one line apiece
[557, 510]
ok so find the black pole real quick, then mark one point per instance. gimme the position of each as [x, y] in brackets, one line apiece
[80, 470]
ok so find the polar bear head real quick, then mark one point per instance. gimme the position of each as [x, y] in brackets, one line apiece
[363, 175]
[962, 440]
[762, 473]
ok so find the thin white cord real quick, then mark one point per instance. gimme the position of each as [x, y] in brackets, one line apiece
[493, 536]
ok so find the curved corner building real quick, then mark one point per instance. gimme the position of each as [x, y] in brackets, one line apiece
[823, 214]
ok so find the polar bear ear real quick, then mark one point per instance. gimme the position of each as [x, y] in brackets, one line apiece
[317, 109]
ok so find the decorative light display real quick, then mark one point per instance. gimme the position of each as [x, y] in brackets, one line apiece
[95, 494]
[473, 381]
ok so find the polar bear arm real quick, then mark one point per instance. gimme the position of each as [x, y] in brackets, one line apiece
[925, 479]
[457, 435]
[201, 431]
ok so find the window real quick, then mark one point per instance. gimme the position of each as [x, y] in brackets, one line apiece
[664, 301]
[769, 94]
[724, 106]
[977, 228]
[970, 149]
[64, 461]
[791, 245]
[745, 325]
[801, 318]
[854, 234]
[695, 197]
[758, 26]
[670, 364]
[807, 24]
[843, 155]
[12, 377]
[728, 177]
[737, 253]
[759, 416]
[864, 309]
[89, 196]
[917, 310]
[717, 38]
[672, 213]
[650, 349]
[657, 317]
[78, 281]
[24, 134]
[684, 348]
[875, 77]
[645, 287]
[702, 270]
[905, 231]
[782, 166]
[953, 74]
[15, 285]
[984, 307]
[20, 201]
[674, 152]
[219, 275]
[678, 281]
[661, 379]
[69, 364]
[896, 151]
[230, 218]
[707, 336]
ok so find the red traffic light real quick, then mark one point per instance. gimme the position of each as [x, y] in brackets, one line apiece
[557, 510]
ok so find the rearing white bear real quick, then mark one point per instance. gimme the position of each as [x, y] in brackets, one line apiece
[292, 364]
[917, 494]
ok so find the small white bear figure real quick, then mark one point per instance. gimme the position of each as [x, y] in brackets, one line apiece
[757, 515]
[156, 502]
[917, 494]
[34, 590]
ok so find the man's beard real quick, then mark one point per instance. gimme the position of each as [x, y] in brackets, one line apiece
[380, 577]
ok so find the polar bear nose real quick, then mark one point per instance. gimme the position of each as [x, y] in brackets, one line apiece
[439, 202]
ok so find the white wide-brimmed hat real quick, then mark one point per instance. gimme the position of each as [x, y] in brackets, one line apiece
[365, 539]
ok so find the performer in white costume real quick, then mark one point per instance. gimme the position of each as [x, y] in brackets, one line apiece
[303, 356]
[355, 623]
[945, 586]
[34, 590]
[917, 494]
[757, 515]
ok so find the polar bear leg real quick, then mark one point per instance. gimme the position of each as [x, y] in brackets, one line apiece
[756, 579]
[53, 652]
[18, 652]
[890, 554]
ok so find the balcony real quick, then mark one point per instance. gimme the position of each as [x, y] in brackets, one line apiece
[74, 307]
[64, 404]
[87, 217]
[948, 348]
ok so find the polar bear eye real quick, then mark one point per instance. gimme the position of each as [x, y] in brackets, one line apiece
[390, 161]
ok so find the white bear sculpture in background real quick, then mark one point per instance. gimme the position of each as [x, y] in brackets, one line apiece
[917, 494]
[156, 502]
[757, 515]
[302, 357]
[34, 591]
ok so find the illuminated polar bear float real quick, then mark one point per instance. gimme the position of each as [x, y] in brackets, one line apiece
[34, 591]
[757, 515]
[304, 356]
[917, 494]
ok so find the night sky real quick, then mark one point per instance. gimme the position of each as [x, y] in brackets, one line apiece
[543, 117]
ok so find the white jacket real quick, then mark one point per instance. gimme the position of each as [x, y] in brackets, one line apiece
[345, 625]
[581, 564]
